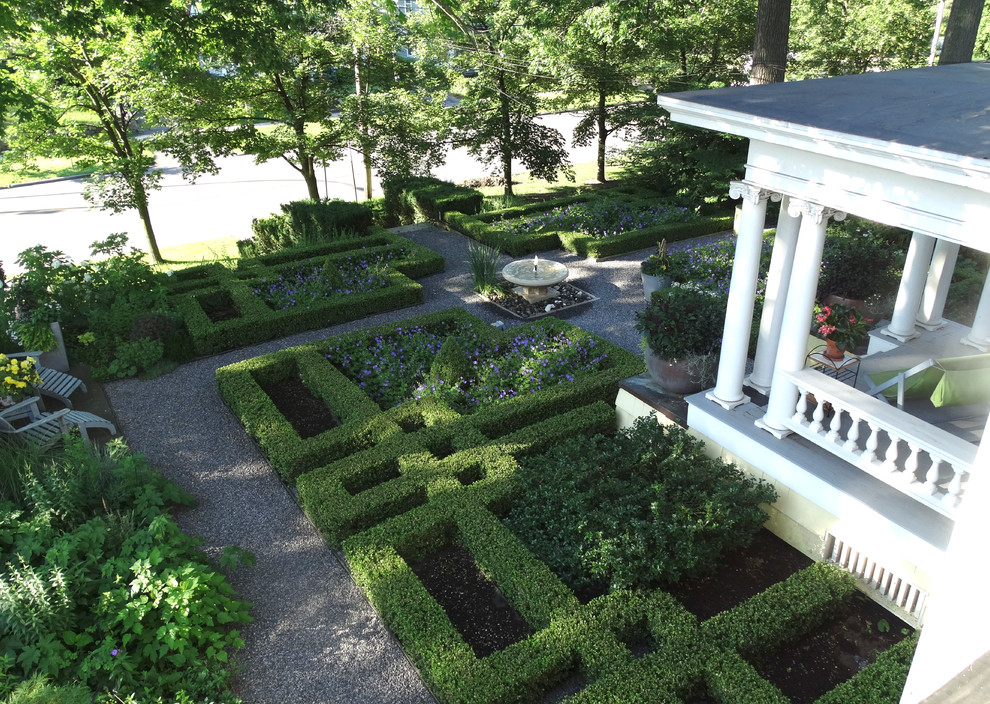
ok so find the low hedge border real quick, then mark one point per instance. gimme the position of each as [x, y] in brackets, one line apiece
[880, 682]
[418, 198]
[484, 229]
[258, 322]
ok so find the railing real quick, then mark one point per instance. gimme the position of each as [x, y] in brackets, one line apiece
[909, 454]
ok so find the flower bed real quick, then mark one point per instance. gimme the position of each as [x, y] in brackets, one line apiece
[301, 289]
[591, 226]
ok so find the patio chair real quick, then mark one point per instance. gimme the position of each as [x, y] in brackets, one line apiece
[44, 428]
[953, 381]
[55, 384]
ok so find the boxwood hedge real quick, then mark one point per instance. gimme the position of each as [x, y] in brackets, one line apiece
[485, 228]
[195, 289]
[395, 486]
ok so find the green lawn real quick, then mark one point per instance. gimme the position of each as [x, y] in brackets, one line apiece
[181, 256]
[43, 169]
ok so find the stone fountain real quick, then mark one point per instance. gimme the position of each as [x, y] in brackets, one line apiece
[534, 278]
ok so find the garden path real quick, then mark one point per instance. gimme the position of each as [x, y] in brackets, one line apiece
[315, 638]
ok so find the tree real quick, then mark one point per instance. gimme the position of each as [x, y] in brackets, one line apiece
[496, 120]
[396, 115]
[831, 39]
[773, 21]
[97, 75]
[278, 78]
[961, 32]
[597, 52]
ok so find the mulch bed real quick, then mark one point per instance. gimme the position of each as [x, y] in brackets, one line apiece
[306, 413]
[218, 309]
[568, 297]
[474, 605]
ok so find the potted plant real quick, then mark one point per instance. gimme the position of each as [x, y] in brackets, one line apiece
[654, 270]
[17, 379]
[843, 327]
[682, 336]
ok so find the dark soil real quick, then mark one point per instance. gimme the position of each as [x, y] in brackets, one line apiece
[308, 414]
[474, 605]
[835, 652]
[219, 308]
[568, 296]
[743, 574]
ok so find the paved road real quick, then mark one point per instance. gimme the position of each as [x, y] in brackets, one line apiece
[57, 216]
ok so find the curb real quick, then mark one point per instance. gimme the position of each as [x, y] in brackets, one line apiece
[45, 180]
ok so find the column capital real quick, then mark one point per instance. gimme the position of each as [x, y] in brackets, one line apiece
[751, 192]
[815, 212]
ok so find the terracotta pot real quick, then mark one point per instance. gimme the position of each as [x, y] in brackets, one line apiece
[832, 351]
[674, 377]
[654, 283]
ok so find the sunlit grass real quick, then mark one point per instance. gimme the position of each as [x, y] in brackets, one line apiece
[181, 256]
[524, 184]
[42, 169]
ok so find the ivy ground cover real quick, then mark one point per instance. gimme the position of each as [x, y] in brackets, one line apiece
[300, 289]
[589, 225]
[409, 472]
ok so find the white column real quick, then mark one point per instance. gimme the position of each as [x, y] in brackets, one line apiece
[742, 294]
[912, 288]
[793, 349]
[778, 280]
[957, 622]
[979, 334]
[937, 287]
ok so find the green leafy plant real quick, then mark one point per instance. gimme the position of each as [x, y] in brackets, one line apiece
[683, 321]
[842, 324]
[658, 263]
[644, 507]
[483, 262]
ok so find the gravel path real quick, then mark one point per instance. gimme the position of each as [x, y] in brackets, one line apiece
[315, 638]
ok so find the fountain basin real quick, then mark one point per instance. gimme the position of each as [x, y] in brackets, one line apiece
[534, 278]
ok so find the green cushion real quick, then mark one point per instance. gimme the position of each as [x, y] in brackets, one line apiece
[920, 385]
[965, 380]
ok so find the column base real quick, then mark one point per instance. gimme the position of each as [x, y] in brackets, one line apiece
[932, 324]
[898, 336]
[981, 345]
[762, 388]
[727, 405]
[779, 433]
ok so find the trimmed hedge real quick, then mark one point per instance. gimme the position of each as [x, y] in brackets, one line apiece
[393, 487]
[484, 228]
[881, 682]
[258, 322]
[304, 222]
[418, 198]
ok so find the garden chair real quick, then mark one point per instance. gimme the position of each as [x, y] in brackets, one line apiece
[55, 384]
[30, 409]
[954, 381]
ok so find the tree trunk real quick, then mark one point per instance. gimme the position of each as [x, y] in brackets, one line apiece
[773, 21]
[141, 203]
[307, 165]
[360, 90]
[602, 135]
[506, 147]
[367, 176]
[960, 32]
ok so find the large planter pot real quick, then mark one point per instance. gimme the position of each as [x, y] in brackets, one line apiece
[654, 283]
[678, 377]
[56, 358]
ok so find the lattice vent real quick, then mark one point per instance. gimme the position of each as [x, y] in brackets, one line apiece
[906, 597]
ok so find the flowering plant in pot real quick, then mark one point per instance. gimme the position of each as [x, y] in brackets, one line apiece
[843, 326]
[655, 270]
[17, 376]
[682, 335]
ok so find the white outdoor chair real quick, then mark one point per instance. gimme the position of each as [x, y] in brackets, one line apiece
[55, 384]
[44, 429]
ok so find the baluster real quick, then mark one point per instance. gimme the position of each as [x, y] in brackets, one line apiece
[817, 417]
[833, 428]
[953, 494]
[872, 442]
[932, 475]
[802, 406]
[911, 464]
[852, 438]
[890, 458]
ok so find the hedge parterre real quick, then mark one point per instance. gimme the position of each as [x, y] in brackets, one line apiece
[293, 290]
[403, 477]
[594, 226]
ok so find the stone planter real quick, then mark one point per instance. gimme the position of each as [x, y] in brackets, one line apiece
[654, 283]
[680, 377]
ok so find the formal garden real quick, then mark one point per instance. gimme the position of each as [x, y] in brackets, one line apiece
[517, 545]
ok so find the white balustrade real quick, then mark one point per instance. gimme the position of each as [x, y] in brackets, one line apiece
[904, 452]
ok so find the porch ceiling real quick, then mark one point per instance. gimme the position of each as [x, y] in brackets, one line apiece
[909, 148]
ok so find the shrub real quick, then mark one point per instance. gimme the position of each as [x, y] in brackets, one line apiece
[683, 321]
[643, 507]
[881, 682]
[412, 199]
[483, 262]
[860, 260]
[308, 222]
[101, 589]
